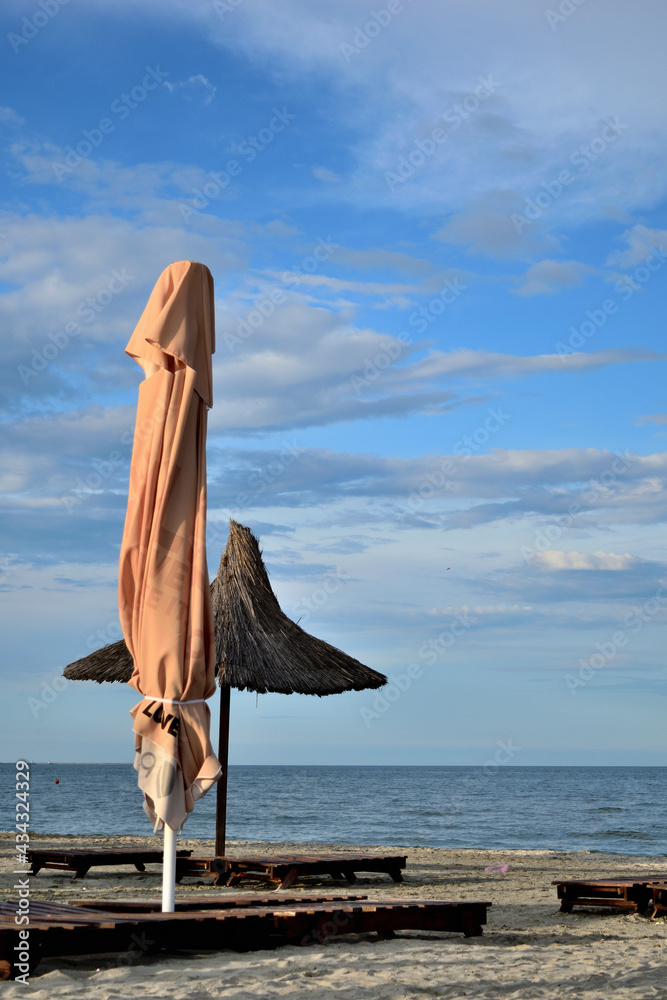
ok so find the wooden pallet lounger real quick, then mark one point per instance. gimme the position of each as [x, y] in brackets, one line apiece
[283, 870]
[80, 861]
[58, 929]
[631, 894]
[658, 898]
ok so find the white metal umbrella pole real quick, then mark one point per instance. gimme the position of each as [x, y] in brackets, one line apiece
[174, 804]
[169, 870]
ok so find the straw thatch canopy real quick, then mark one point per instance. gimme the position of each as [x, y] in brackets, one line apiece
[110, 663]
[258, 647]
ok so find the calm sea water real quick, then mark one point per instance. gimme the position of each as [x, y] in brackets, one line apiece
[619, 810]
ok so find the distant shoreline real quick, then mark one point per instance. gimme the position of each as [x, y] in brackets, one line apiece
[514, 767]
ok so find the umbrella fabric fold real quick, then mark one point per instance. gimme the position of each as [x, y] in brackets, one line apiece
[164, 595]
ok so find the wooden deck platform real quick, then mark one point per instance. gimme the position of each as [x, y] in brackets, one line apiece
[284, 870]
[632, 894]
[58, 929]
[81, 861]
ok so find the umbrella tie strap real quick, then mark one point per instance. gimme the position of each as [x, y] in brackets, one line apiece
[172, 701]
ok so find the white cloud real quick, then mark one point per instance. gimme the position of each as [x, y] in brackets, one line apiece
[653, 418]
[521, 137]
[490, 365]
[393, 91]
[640, 242]
[477, 609]
[554, 560]
[550, 276]
[326, 175]
[306, 366]
[544, 483]
[486, 227]
[151, 192]
[54, 268]
[11, 118]
[362, 287]
[509, 483]
[377, 259]
[194, 86]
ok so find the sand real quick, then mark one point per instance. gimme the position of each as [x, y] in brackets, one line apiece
[529, 950]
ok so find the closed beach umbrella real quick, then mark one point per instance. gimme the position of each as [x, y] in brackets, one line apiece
[164, 595]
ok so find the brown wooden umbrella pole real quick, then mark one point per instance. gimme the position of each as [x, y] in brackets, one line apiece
[223, 756]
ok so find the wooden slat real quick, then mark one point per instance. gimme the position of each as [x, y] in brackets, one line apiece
[225, 901]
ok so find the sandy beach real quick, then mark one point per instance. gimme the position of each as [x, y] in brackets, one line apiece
[528, 950]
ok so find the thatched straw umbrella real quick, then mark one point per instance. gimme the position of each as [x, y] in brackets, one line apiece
[258, 648]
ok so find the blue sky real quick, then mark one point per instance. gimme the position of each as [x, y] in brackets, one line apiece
[438, 237]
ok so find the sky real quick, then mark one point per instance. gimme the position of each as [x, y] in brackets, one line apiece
[438, 235]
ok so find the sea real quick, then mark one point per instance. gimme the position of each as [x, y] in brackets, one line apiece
[610, 810]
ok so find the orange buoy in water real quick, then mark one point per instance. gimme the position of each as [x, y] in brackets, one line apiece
[57, 781]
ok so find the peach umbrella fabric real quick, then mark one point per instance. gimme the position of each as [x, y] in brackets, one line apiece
[164, 593]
